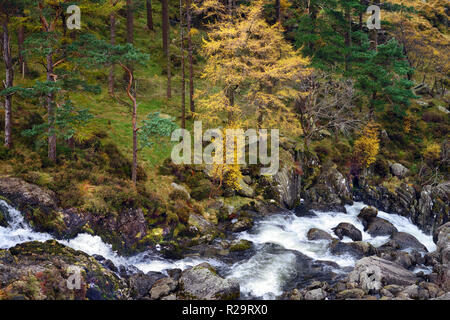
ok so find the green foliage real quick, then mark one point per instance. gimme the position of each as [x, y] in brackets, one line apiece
[155, 125]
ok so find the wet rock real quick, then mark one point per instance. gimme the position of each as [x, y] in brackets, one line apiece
[4, 216]
[44, 270]
[402, 241]
[140, 283]
[356, 249]
[240, 245]
[402, 258]
[345, 229]
[399, 170]
[366, 214]
[331, 192]
[202, 282]
[315, 294]
[445, 296]
[372, 273]
[351, 294]
[175, 274]
[242, 224]
[318, 234]
[286, 182]
[380, 227]
[163, 287]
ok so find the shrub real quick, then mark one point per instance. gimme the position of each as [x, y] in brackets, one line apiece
[432, 153]
[433, 116]
[367, 146]
[381, 167]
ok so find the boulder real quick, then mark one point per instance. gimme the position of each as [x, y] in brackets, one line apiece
[4, 215]
[140, 283]
[163, 287]
[22, 194]
[315, 294]
[372, 273]
[202, 283]
[402, 241]
[345, 229]
[356, 249]
[198, 224]
[181, 189]
[351, 294]
[380, 227]
[242, 224]
[244, 189]
[51, 271]
[331, 191]
[318, 234]
[399, 170]
[366, 214]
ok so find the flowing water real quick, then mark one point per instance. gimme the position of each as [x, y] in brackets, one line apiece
[263, 275]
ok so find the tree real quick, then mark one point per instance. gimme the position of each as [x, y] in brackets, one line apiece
[166, 47]
[327, 105]
[149, 15]
[254, 67]
[190, 55]
[367, 145]
[93, 52]
[183, 73]
[381, 76]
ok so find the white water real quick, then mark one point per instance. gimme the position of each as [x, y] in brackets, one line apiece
[262, 275]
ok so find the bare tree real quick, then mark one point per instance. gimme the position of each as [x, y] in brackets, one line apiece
[327, 105]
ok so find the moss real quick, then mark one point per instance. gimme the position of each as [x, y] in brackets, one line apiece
[241, 245]
[202, 191]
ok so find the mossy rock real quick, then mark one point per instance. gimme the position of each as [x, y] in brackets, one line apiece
[202, 191]
[241, 245]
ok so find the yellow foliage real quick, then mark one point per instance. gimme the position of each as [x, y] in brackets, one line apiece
[252, 69]
[368, 145]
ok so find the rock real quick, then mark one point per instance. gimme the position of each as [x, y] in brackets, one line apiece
[443, 109]
[140, 283]
[402, 241]
[240, 245]
[351, 294]
[380, 227]
[445, 296]
[402, 258]
[181, 189]
[315, 294]
[318, 234]
[356, 249]
[242, 224]
[442, 253]
[345, 229]
[399, 170]
[4, 215]
[22, 194]
[367, 213]
[199, 224]
[202, 283]
[163, 287]
[247, 179]
[244, 189]
[51, 271]
[372, 273]
[331, 192]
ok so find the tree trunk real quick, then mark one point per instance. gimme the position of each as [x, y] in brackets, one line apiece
[183, 75]
[51, 112]
[348, 37]
[191, 64]
[111, 78]
[149, 15]
[278, 11]
[165, 26]
[130, 30]
[8, 83]
[20, 41]
[134, 123]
